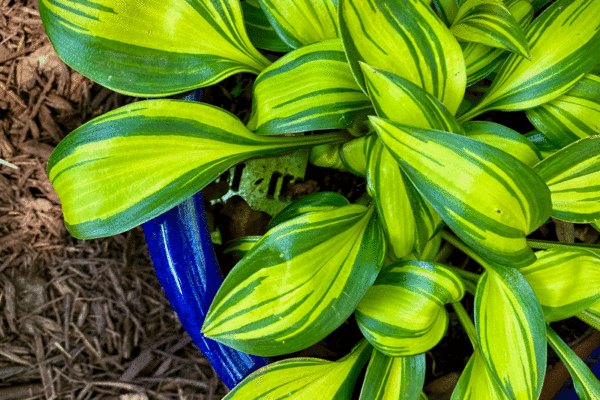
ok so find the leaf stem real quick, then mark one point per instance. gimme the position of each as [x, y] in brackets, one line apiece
[462, 246]
[466, 322]
[545, 245]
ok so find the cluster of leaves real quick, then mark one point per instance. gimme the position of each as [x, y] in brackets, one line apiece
[391, 78]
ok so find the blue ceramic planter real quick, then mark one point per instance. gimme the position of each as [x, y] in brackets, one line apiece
[186, 266]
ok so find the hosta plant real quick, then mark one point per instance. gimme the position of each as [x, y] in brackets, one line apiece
[401, 87]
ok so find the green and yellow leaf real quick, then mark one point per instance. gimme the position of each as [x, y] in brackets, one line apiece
[572, 116]
[586, 384]
[403, 312]
[300, 282]
[542, 143]
[393, 378]
[320, 92]
[239, 247]
[132, 164]
[302, 22]
[476, 382]
[511, 332]
[491, 23]
[457, 176]
[321, 201]
[573, 176]
[563, 43]
[565, 281]
[151, 47]
[481, 59]
[505, 139]
[304, 378]
[387, 187]
[408, 39]
[354, 153]
[399, 100]
[446, 10]
[260, 31]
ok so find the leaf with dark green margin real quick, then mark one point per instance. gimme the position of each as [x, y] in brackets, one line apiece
[481, 59]
[399, 100]
[393, 378]
[135, 163]
[511, 332]
[403, 313]
[490, 199]
[311, 88]
[321, 201]
[304, 378]
[151, 47]
[260, 31]
[572, 116]
[406, 38]
[565, 281]
[564, 44]
[573, 176]
[300, 282]
[505, 139]
[490, 22]
[302, 22]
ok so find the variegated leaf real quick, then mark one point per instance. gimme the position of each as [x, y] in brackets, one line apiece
[406, 38]
[320, 92]
[302, 22]
[491, 23]
[399, 100]
[239, 247]
[481, 59]
[565, 281]
[564, 43]
[321, 201]
[511, 332]
[476, 382]
[393, 378]
[301, 281]
[151, 47]
[428, 253]
[386, 185]
[586, 384]
[403, 312]
[132, 164]
[572, 116]
[505, 139]
[573, 176]
[304, 378]
[446, 10]
[542, 143]
[260, 31]
[354, 154]
[457, 176]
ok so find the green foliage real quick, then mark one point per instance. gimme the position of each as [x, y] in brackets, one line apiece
[394, 75]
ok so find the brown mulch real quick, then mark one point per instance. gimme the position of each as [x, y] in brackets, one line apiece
[78, 319]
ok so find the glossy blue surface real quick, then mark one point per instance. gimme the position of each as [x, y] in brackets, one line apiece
[186, 266]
